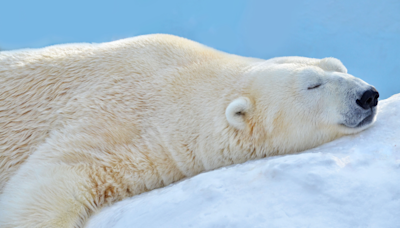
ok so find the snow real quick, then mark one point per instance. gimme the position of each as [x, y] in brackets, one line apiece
[351, 182]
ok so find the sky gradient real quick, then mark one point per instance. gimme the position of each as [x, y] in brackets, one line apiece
[364, 35]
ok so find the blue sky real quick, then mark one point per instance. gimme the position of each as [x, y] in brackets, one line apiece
[365, 35]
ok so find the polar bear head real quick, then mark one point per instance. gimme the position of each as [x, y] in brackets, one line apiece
[301, 102]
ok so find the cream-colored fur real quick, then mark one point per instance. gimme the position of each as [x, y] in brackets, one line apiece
[83, 126]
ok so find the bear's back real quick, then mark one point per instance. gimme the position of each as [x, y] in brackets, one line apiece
[36, 84]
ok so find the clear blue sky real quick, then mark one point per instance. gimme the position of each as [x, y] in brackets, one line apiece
[365, 35]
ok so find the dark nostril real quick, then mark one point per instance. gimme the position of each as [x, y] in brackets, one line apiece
[369, 99]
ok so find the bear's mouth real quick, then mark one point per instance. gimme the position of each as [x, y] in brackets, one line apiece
[365, 121]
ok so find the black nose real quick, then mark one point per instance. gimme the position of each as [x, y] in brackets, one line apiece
[369, 99]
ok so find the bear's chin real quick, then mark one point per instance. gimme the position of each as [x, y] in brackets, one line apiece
[365, 123]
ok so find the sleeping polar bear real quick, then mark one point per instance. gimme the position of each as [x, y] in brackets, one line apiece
[83, 126]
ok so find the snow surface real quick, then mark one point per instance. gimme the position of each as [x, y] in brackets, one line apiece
[351, 182]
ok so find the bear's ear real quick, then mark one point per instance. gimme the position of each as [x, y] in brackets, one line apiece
[236, 112]
[332, 64]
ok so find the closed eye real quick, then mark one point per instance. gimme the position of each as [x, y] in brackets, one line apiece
[314, 86]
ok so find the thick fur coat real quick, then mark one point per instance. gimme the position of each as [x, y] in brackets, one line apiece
[86, 125]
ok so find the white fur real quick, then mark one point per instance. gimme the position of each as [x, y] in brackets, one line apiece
[83, 126]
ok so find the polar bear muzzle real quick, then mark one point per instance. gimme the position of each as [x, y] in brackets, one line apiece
[369, 99]
[364, 112]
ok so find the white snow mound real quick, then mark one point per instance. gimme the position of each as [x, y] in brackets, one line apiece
[351, 182]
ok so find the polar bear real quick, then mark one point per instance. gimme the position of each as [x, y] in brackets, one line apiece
[86, 125]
